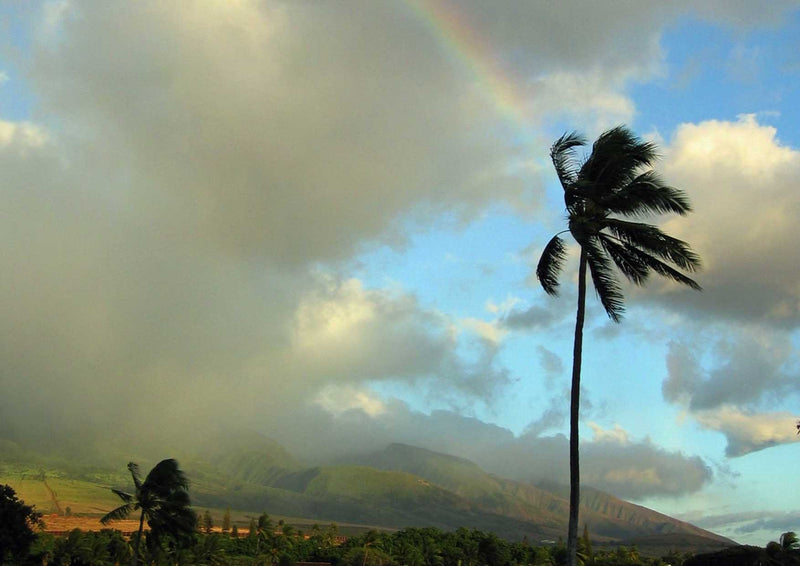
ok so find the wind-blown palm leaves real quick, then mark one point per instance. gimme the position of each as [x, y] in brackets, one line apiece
[163, 499]
[615, 181]
[610, 183]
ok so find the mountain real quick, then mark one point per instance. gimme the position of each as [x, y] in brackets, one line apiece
[608, 517]
[397, 487]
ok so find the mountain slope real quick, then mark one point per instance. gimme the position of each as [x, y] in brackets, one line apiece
[608, 517]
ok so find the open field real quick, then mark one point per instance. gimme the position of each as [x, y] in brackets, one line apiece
[58, 524]
[54, 495]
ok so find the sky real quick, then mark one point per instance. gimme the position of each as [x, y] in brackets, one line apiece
[320, 220]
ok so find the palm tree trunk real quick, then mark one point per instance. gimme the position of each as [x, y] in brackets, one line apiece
[138, 540]
[574, 416]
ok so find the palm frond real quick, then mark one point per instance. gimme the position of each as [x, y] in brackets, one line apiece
[119, 513]
[655, 242]
[605, 282]
[165, 478]
[663, 269]
[178, 521]
[126, 497]
[647, 194]
[616, 158]
[133, 468]
[628, 263]
[550, 264]
[562, 153]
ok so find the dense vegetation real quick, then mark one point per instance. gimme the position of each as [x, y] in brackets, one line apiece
[269, 544]
[279, 544]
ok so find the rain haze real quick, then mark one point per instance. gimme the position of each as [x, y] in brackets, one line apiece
[320, 221]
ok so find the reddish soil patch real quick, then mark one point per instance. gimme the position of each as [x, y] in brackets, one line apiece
[58, 524]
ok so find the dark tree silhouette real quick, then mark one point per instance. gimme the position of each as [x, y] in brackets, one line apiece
[16, 522]
[613, 182]
[163, 499]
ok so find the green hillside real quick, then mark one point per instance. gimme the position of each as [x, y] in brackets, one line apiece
[610, 518]
[398, 487]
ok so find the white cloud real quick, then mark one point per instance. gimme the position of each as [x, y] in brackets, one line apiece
[588, 98]
[615, 435]
[338, 400]
[743, 184]
[503, 306]
[21, 136]
[748, 432]
[487, 330]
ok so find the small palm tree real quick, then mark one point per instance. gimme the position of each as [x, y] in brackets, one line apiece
[789, 541]
[163, 499]
[614, 181]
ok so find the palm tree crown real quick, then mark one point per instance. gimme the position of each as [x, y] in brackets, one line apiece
[616, 181]
[163, 498]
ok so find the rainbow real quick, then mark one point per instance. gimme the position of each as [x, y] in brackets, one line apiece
[463, 42]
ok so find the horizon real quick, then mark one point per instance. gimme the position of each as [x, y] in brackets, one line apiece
[321, 221]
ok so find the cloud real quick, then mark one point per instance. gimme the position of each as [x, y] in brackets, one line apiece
[350, 334]
[751, 370]
[749, 366]
[554, 416]
[270, 145]
[752, 521]
[486, 330]
[534, 317]
[740, 180]
[21, 136]
[638, 469]
[748, 432]
[625, 467]
[744, 64]
[337, 400]
[551, 363]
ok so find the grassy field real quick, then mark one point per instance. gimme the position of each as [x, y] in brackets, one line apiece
[80, 496]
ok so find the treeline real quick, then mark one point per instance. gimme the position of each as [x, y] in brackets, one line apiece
[280, 544]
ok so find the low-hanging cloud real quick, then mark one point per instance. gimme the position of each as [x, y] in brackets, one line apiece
[617, 464]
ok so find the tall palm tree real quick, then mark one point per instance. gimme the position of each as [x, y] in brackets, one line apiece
[163, 499]
[613, 182]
